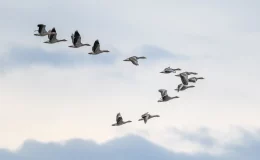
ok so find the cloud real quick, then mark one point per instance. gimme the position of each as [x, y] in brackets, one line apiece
[127, 147]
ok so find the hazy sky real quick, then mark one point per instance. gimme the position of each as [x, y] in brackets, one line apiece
[55, 93]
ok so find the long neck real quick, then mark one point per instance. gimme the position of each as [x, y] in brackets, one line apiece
[200, 78]
[62, 40]
[127, 122]
[104, 51]
[152, 116]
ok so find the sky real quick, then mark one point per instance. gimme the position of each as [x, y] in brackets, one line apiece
[50, 93]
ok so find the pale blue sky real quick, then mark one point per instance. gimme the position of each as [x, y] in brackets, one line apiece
[55, 93]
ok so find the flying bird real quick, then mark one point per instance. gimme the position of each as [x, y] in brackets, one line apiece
[42, 31]
[96, 49]
[164, 96]
[194, 79]
[188, 73]
[52, 37]
[134, 59]
[170, 70]
[119, 120]
[182, 87]
[76, 40]
[147, 116]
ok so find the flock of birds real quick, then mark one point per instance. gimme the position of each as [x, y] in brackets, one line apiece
[76, 41]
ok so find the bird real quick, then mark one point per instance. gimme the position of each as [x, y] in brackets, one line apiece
[42, 31]
[76, 40]
[147, 116]
[165, 96]
[52, 37]
[194, 79]
[119, 120]
[182, 87]
[170, 70]
[134, 59]
[96, 48]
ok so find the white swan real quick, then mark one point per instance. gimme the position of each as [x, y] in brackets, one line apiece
[119, 120]
[147, 116]
[182, 87]
[76, 40]
[194, 79]
[134, 59]
[165, 96]
[170, 70]
[96, 49]
[52, 37]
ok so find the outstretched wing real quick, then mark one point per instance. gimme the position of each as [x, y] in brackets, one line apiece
[163, 92]
[77, 37]
[144, 115]
[184, 78]
[41, 28]
[53, 35]
[96, 46]
[119, 118]
[134, 60]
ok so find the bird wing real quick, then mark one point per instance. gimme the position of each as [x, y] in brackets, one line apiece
[53, 35]
[77, 38]
[41, 28]
[146, 118]
[184, 78]
[163, 92]
[134, 60]
[96, 46]
[144, 115]
[119, 118]
[180, 86]
[72, 38]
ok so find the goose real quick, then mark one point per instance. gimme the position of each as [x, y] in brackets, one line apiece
[170, 70]
[147, 116]
[119, 120]
[76, 40]
[96, 49]
[52, 37]
[182, 87]
[165, 96]
[42, 31]
[134, 59]
[194, 79]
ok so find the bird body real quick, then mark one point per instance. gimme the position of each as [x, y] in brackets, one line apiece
[194, 79]
[76, 40]
[52, 37]
[170, 70]
[134, 59]
[119, 120]
[147, 116]
[96, 49]
[165, 96]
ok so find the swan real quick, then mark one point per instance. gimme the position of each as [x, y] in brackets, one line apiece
[76, 40]
[119, 120]
[194, 79]
[147, 116]
[52, 37]
[134, 59]
[182, 87]
[165, 96]
[96, 49]
[42, 31]
[170, 70]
